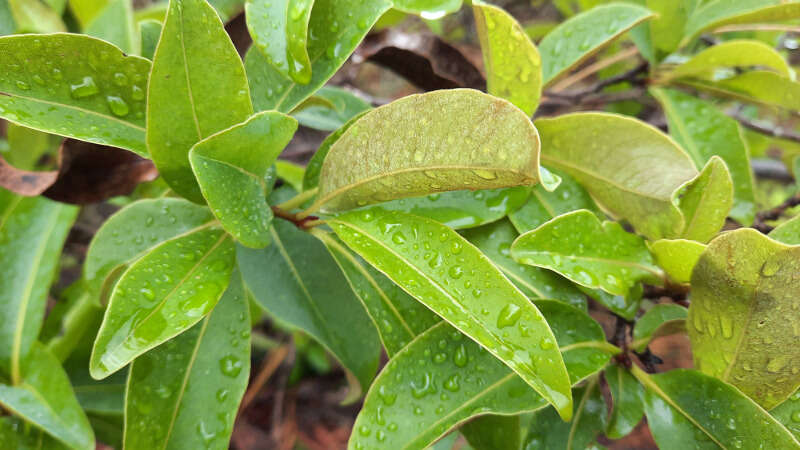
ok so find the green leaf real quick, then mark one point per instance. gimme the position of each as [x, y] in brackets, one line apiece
[716, 13]
[135, 231]
[59, 84]
[32, 232]
[44, 398]
[185, 393]
[743, 329]
[493, 432]
[34, 16]
[437, 266]
[758, 86]
[161, 295]
[86, 10]
[298, 282]
[787, 232]
[687, 409]
[494, 240]
[291, 173]
[788, 413]
[227, 9]
[666, 30]
[314, 167]
[706, 201]
[343, 107]
[589, 252]
[194, 102]
[230, 167]
[629, 167]
[411, 403]
[583, 35]
[736, 53]
[706, 132]
[280, 30]
[628, 409]
[14, 433]
[660, 320]
[512, 62]
[440, 141]
[335, 29]
[428, 9]
[115, 24]
[150, 31]
[677, 257]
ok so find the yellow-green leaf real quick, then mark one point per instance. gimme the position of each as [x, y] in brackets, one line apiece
[736, 53]
[280, 30]
[677, 257]
[716, 13]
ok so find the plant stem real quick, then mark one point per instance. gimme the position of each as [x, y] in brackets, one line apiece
[298, 200]
[594, 68]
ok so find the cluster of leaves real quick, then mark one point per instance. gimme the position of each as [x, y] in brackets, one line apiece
[425, 228]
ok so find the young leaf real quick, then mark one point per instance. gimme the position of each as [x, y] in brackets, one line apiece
[628, 409]
[280, 30]
[578, 38]
[230, 167]
[688, 409]
[716, 13]
[428, 9]
[660, 320]
[440, 141]
[512, 62]
[742, 329]
[298, 282]
[589, 252]
[161, 295]
[32, 232]
[706, 201]
[335, 28]
[195, 102]
[343, 107]
[409, 405]
[44, 398]
[185, 393]
[788, 413]
[115, 24]
[59, 84]
[705, 132]
[86, 10]
[455, 280]
[677, 257]
[291, 173]
[629, 167]
[787, 232]
[666, 29]
[493, 432]
[757, 86]
[736, 53]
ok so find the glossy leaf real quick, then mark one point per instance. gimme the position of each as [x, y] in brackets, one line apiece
[492, 432]
[45, 399]
[589, 252]
[115, 24]
[230, 167]
[788, 413]
[583, 35]
[687, 409]
[16, 434]
[195, 102]
[298, 282]
[438, 267]
[629, 167]
[314, 166]
[706, 132]
[627, 410]
[335, 28]
[32, 232]
[512, 61]
[280, 30]
[185, 393]
[86, 10]
[742, 325]
[736, 53]
[706, 201]
[92, 99]
[422, 144]
[787, 232]
[161, 295]
[343, 107]
[677, 257]
[657, 321]
[428, 9]
[716, 13]
[757, 86]
[412, 404]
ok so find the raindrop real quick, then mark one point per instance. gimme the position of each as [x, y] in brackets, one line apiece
[509, 315]
[230, 366]
[86, 88]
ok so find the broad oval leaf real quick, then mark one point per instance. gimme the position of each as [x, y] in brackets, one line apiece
[194, 102]
[32, 232]
[230, 167]
[161, 295]
[660, 320]
[428, 9]
[280, 30]
[629, 167]
[627, 410]
[788, 232]
[75, 86]
[742, 322]
[185, 393]
[757, 86]
[512, 61]
[735, 53]
[440, 141]
[677, 257]
[583, 35]
[589, 252]
[706, 201]
[716, 13]
[455, 280]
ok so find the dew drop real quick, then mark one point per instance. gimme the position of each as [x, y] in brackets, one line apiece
[86, 88]
[509, 315]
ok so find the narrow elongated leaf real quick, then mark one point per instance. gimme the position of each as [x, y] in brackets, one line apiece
[335, 28]
[230, 167]
[342, 106]
[628, 409]
[161, 295]
[493, 432]
[454, 279]
[185, 393]
[677, 257]
[743, 328]
[196, 102]
[32, 232]
[589, 252]
[583, 35]
[421, 144]
[115, 24]
[412, 404]
[714, 14]
[706, 132]
[706, 201]
[629, 167]
[58, 83]
[788, 413]
[428, 9]
[688, 409]
[735, 53]
[280, 30]
[788, 232]
[656, 322]
[512, 61]
[298, 282]
[757, 86]
[45, 398]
